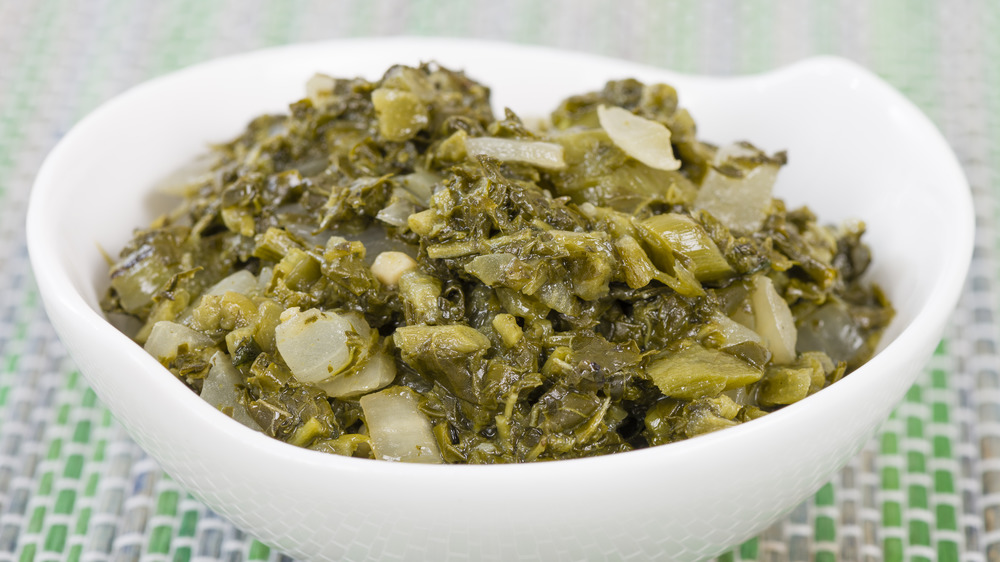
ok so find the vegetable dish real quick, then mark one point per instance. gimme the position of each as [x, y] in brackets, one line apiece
[388, 270]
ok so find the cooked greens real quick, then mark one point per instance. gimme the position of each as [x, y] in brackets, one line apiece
[390, 271]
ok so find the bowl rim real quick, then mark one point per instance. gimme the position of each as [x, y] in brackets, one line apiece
[58, 291]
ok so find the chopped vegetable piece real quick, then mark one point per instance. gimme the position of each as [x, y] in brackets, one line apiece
[784, 385]
[318, 345]
[420, 293]
[643, 139]
[398, 430]
[451, 355]
[506, 325]
[773, 320]
[168, 339]
[683, 235]
[639, 271]
[696, 372]
[388, 267]
[543, 154]
[737, 189]
[242, 282]
[222, 390]
[377, 372]
[401, 115]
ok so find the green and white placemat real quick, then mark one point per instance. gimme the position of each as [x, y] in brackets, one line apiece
[73, 486]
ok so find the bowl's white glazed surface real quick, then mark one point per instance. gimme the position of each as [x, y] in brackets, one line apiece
[856, 149]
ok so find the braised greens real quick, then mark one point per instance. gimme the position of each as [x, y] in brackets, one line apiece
[389, 271]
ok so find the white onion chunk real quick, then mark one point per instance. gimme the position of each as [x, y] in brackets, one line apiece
[643, 139]
[538, 153]
[399, 431]
[773, 320]
[314, 344]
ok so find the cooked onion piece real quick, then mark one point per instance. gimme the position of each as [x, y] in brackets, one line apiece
[773, 320]
[543, 154]
[220, 390]
[740, 196]
[643, 139]
[168, 338]
[398, 430]
[388, 267]
[317, 345]
[242, 282]
[379, 371]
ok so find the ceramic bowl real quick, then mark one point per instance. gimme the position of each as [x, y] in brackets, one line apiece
[857, 149]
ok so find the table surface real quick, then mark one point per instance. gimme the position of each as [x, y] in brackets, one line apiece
[73, 486]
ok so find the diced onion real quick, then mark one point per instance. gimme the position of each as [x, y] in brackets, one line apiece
[220, 390]
[396, 212]
[264, 279]
[830, 329]
[643, 139]
[242, 282]
[379, 371]
[740, 203]
[420, 184]
[773, 320]
[167, 337]
[320, 86]
[388, 267]
[491, 269]
[314, 344]
[399, 431]
[732, 332]
[538, 153]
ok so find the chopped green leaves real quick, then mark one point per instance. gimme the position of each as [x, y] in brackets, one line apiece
[389, 271]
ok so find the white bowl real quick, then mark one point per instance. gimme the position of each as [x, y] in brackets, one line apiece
[856, 148]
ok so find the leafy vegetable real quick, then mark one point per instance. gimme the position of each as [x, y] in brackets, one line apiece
[389, 271]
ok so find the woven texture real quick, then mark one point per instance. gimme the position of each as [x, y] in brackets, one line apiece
[73, 486]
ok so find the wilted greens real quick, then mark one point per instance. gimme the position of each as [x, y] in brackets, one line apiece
[390, 271]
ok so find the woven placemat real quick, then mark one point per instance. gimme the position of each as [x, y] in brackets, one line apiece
[73, 486]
